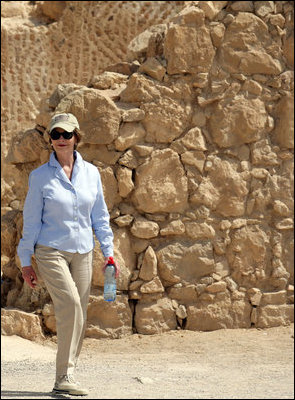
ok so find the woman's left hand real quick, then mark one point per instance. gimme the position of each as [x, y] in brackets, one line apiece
[111, 260]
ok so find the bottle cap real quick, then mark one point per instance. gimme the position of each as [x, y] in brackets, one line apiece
[110, 260]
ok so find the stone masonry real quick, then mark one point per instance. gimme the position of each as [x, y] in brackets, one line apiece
[192, 132]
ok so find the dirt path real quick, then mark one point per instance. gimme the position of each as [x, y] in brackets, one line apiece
[224, 364]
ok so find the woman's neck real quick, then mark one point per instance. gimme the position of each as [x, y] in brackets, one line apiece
[65, 159]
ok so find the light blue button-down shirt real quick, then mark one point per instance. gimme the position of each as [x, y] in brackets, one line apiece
[63, 214]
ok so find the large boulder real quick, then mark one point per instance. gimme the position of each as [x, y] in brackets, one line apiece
[161, 184]
[155, 317]
[247, 256]
[110, 186]
[274, 315]
[27, 147]
[17, 322]
[182, 262]
[108, 319]
[223, 189]
[165, 120]
[248, 48]
[219, 314]
[188, 47]
[237, 121]
[98, 116]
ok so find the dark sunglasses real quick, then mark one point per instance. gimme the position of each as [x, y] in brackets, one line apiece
[55, 135]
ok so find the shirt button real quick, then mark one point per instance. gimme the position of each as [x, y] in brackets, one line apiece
[75, 218]
[75, 208]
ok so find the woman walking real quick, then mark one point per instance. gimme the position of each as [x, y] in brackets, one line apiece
[64, 205]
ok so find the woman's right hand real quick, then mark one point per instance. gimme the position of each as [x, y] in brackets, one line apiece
[29, 276]
[110, 260]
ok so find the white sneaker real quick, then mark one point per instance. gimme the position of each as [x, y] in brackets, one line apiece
[67, 384]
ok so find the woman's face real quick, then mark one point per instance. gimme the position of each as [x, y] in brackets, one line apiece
[62, 145]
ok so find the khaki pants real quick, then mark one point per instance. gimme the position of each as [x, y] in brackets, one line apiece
[67, 277]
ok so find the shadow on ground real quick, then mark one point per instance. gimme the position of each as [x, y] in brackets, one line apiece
[14, 394]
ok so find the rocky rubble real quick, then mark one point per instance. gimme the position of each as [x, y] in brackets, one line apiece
[195, 150]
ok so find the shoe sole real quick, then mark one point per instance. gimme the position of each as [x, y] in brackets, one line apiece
[68, 391]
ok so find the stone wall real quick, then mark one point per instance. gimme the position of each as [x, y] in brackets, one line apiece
[44, 43]
[193, 137]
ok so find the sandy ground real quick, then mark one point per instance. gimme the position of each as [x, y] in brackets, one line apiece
[223, 364]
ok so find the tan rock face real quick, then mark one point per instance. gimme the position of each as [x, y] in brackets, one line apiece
[26, 325]
[284, 131]
[148, 270]
[108, 319]
[144, 229]
[64, 44]
[193, 140]
[219, 314]
[153, 286]
[190, 124]
[288, 49]
[183, 294]
[110, 186]
[188, 47]
[224, 189]
[237, 121]
[273, 315]
[27, 147]
[250, 269]
[179, 262]
[129, 134]
[247, 47]
[165, 120]
[155, 317]
[125, 183]
[146, 44]
[153, 68]
[161, 184]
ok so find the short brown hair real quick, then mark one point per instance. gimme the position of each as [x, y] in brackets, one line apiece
[77, 133]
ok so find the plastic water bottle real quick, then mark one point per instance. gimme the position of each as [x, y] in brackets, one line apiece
[110, 284]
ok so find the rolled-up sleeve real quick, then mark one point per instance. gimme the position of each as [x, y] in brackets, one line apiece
[100, 219]
[32, 221]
